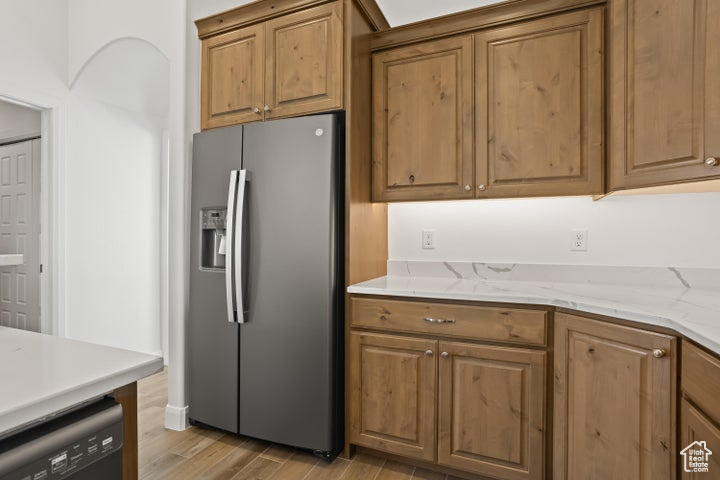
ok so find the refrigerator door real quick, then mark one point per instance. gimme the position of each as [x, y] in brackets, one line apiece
[286, 346]
[213, 341]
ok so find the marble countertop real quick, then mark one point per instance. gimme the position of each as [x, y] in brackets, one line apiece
[41, 375]
[685, 301]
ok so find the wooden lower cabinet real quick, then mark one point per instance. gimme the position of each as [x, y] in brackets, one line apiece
[491, 409]
[490, 403]
[393, 388]
[614, 411]
[696, 427]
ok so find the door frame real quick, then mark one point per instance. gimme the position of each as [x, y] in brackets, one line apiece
[52, 216]
[53, 208]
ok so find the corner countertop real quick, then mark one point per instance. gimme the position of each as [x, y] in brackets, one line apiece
[41, 375]
[686, 301]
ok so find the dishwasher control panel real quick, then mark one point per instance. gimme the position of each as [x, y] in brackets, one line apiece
[50, 453]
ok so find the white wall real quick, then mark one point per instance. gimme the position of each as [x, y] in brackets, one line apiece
[119, 114]
[400, 12]
[33, 47]
[17, 121]
[95, 23]
[96, 26]
[680, 230]
[113, 234]
[41, 56]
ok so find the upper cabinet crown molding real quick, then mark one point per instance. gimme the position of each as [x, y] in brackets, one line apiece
[262, 10]
[488, 16]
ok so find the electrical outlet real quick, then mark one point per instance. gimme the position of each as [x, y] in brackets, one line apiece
[428, 239]
[578, 240]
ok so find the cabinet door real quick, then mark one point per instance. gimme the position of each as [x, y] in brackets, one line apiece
[492, 410]
[232, 83]
[712, 89]
[393, 394]
[539, 97]
[658, 92]
[696, 427]
[422, 128]
[304, 61]
[614, 411]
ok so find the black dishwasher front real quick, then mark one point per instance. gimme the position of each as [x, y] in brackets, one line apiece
[85, 444]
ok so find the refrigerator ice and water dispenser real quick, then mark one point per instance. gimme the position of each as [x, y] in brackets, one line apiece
[212, 238]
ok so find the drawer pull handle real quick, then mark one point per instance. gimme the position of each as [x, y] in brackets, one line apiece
[438, 320]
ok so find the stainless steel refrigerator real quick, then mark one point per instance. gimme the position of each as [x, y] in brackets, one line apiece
[266, 281]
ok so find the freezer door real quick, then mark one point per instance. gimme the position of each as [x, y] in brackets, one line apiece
[286, 346]
[213, 341]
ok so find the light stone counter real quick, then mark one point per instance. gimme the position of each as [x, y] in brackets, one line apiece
[41, 375]
[685, 300]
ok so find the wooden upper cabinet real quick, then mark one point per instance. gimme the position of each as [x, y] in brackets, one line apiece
[539, 107]
[304, 61]
[233, 77]
[422, 121]
[614, 408]
[288, 65]
[664, 116]
[712, 89]
[491, 411]
[392, 382]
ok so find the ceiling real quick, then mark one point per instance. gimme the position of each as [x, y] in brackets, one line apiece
[400, 12]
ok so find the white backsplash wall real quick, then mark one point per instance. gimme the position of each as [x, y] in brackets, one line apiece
[680, 230]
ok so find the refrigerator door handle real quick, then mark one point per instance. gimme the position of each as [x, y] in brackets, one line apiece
[230, 253]
[238, 267]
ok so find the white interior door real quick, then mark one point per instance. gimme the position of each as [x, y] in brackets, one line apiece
[20, 233]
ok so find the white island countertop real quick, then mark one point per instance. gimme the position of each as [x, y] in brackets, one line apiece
[684, 300]
[41, 375]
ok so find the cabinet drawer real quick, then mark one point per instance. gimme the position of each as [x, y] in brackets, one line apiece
[484, 323]
[701, 379]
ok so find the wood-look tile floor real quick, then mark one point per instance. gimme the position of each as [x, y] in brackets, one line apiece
[208, 454]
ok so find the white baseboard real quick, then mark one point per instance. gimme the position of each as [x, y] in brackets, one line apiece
[176, 418]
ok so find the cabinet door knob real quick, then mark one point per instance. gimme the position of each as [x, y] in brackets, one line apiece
[428, 353]
[711, 161]
[659, 352]
[468, 188]
[481, 187]
[256, 110]
[445, 354]
[267, 108]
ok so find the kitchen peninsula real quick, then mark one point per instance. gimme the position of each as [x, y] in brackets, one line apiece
[43, 376]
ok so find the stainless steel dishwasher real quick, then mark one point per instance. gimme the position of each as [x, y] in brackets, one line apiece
[85, 444]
